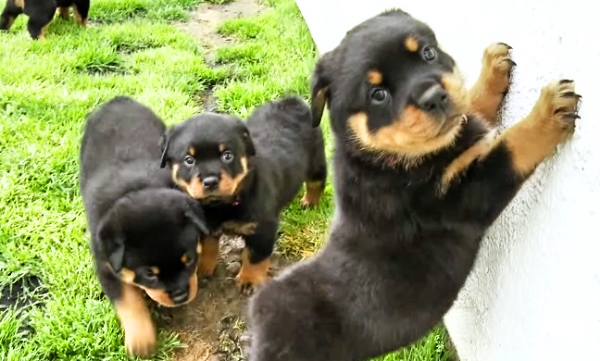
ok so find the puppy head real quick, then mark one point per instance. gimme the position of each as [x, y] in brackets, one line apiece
[151, 240]
[209, 155]
[391, 90]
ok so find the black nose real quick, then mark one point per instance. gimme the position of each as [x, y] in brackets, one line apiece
[210, 182]
[434, 99]
[179, 296]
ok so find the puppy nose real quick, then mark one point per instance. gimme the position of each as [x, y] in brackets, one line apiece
[179, 296]
[434, 99]
[210, 182]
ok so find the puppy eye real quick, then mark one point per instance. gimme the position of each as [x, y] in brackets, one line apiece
[379, 95]
[227, 156]
[429, 53]
[189, 160]
[149, 275]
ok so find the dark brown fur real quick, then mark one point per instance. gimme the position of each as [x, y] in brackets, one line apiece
[419, 178]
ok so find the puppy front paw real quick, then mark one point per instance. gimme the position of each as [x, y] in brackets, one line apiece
[491, 87]
[558, 107]
[252, 275]
[141, 341]
[496, 67]
[549, 123]
[140, 334]
[209, 256]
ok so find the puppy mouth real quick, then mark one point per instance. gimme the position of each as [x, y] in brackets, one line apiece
[162, 298]
[217, 198]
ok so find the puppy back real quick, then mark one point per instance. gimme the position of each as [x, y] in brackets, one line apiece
[288, 112]
[120, 131]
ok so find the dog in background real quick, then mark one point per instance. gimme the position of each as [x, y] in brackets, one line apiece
[245, 174]
[41, 13]
[420, 175]
[144, 232]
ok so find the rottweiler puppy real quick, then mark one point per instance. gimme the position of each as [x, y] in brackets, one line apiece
[420, 174]
[41, 12]
[245, 174]
[144, 231]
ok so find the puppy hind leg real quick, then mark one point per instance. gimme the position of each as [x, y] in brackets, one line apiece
[81, 10]
[63, 12]
[37, 26]
[317, 176]
[8, 17]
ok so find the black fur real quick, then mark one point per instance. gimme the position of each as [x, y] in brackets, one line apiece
[282, 150]
[136, 219]
[40, 13]
[398, 251]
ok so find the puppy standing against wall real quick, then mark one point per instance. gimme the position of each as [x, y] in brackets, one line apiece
[419, 177]
[41, 12]
[245, 174]
[145, 235]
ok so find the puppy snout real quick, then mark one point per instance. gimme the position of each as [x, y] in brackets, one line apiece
[179, 296]
[210, 182]
[434, 99]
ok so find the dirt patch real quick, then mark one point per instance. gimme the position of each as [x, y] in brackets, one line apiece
[203, 26]
[213, 325]
[205, 20]
[21, 295]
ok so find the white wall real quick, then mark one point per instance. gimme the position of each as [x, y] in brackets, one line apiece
[535, 291]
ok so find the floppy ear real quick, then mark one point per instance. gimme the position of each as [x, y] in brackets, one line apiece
[196, 215]
[113, 246]
[248, 143]
[164, 146]
[319, 87]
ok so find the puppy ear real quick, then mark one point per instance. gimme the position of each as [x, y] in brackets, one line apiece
[319, 87]
[164, 146]
[196, 215]
[247, 138]
[112, 244]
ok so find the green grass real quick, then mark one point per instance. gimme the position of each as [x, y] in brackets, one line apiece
[46, 90]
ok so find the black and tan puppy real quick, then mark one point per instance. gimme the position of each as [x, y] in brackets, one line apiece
[245, 174]
[41, 12]
[419, 177]
[145, 233]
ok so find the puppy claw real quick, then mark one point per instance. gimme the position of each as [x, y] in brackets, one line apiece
[246, 290]
[560, 102]
[248, 287]
[570, 94]
[571, 116]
